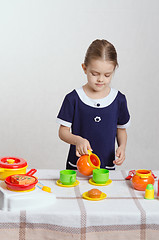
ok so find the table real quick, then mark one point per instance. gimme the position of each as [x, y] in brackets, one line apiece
[124, 214]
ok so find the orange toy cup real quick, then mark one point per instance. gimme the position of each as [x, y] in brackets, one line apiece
[87, 163]
[141, 179]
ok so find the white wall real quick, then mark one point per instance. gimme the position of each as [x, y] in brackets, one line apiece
[42, 46]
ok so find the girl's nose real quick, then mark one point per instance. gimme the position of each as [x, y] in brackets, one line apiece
[100, 79]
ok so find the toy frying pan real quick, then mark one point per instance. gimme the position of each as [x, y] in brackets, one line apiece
[25, 187]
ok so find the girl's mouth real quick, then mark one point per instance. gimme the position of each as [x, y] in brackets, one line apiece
[99, 84]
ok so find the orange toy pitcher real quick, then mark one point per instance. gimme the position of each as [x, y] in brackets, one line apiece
[87, 163]
[141, 179]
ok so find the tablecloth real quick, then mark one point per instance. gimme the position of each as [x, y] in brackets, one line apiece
[124, 214]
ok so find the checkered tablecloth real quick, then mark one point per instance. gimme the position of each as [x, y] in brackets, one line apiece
[124, 214]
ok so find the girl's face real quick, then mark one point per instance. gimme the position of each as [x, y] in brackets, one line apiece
[99, 74]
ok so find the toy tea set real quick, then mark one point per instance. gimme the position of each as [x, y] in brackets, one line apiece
[87, 165]
[16, 182]
[142, 180]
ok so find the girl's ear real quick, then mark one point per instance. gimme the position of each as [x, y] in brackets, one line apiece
[84, 68]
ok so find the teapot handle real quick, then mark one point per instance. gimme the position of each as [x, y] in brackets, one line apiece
[153, 175]
[131, 174]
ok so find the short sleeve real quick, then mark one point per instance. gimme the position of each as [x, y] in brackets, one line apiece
[124, 116]
[65, 116]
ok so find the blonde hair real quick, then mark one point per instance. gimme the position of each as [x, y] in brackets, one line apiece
[101, 49]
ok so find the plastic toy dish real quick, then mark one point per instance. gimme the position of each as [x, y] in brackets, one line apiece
[101, 175]
[11, 166]
[87, 163]
[67, 177]
[142, 178]
[24, 187]
[21, 190]
[91, 181]
[86, 196]
[59, 183]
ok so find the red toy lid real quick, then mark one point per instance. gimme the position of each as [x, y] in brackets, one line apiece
[12, 162]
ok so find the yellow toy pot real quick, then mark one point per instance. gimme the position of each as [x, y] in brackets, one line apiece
[11, 165]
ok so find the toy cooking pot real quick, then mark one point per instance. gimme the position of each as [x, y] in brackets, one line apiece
[25, 187]
[87, 163]
[141, 179]
[12, 165]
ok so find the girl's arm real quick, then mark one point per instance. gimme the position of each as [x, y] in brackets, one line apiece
[121, 140]
[81, 144]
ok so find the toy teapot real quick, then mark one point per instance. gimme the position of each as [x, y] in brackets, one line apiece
[141, 178]
[87, 163]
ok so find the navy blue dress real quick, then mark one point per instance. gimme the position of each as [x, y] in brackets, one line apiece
[97, 121]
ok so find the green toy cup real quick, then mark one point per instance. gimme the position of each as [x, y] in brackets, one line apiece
[67, 177]
[100, 176]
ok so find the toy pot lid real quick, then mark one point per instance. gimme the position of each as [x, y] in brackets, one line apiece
[12, 162]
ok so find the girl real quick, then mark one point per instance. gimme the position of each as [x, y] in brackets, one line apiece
[93, 116]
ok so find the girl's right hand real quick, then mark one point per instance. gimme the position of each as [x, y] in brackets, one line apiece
[82, 145]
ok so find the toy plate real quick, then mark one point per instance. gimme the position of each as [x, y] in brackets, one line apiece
[85, 196]
[91, 181]
[59, 183]
[21, 190]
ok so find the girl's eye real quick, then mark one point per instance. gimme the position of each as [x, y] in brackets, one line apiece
[94, 74]
[107, 76]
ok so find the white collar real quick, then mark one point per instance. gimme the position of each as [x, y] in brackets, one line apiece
[97, 103]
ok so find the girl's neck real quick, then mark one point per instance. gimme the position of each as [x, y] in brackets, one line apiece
[94, 94]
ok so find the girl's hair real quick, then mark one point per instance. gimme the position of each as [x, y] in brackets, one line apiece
[101, 49]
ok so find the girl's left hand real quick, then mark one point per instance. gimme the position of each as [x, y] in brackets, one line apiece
[120, 154]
